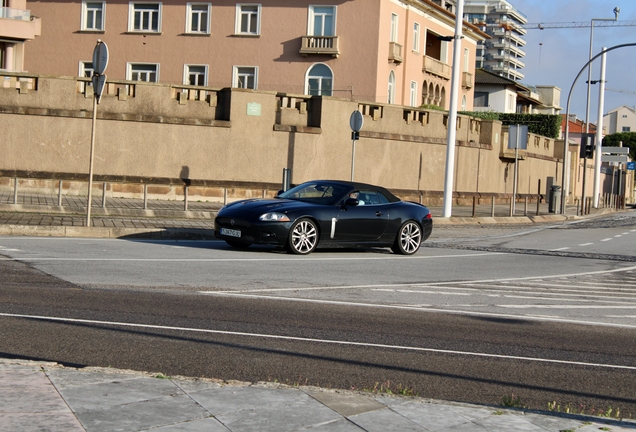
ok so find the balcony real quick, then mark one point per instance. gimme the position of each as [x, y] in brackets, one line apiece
[18, 24]
[467, 80]
[328, 45]
[395, 53]
[436, 67]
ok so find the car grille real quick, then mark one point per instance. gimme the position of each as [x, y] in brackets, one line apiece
[238, 223]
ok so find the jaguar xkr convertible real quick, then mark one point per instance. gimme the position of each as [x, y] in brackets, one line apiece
[326, 213]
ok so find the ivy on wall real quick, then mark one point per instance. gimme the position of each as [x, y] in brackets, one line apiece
[547, 125]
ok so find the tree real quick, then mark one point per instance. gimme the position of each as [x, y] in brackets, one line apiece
[628, 139]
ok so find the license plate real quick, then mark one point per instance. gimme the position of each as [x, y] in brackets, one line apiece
[230, 232]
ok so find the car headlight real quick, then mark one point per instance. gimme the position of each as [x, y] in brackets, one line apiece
[274, 217]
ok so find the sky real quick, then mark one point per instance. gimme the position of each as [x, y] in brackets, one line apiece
[556, 56]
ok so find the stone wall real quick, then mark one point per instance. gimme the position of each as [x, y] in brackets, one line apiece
[215, 140]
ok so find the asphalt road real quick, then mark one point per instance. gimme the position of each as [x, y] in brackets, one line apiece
[514, 317]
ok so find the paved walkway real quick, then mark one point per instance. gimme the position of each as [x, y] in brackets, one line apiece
[40, 396]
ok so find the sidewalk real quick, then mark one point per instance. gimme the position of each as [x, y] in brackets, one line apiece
[41, 396]
[39, 214]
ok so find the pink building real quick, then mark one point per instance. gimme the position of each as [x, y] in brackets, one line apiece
[372, 50]
[17, 26]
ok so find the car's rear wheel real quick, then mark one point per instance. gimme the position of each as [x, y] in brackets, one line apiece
[408, 239]
[237, 244]
[303, 237]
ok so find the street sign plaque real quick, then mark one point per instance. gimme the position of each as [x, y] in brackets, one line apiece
[631, 166]
[616, 150]
[615, 158]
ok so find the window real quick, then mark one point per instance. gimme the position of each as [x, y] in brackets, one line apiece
[143, 72]
[394, 28]
[322, 21]
[627, 129]
[196, 75]
[93, 16]
[466, 58]
[416, 37]
[145, 17]
[414, 93]
[86, 69]
[464, 101]
[198, 18]
[319, 80]
[245, 77]
[248, 19]
[391, 90]
[481, 99]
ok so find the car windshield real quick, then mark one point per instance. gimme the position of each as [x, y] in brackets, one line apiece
[317, 193]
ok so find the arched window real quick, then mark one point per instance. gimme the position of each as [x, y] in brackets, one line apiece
[319, 80]
[464, 103]
[391, 98]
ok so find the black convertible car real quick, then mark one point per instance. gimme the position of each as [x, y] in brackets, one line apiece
[327, 213]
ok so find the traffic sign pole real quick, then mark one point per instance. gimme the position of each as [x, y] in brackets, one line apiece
[100, 61]
[355, 121]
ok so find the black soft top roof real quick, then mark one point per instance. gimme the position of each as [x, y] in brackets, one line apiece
[361, 186]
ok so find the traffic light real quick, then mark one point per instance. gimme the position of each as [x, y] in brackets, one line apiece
[587, 146]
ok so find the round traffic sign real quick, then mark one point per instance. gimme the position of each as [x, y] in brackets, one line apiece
[356, 121]
[100, 57]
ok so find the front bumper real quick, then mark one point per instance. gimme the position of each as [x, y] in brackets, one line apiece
[270, 233]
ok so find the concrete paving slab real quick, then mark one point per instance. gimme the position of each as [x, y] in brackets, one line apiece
[209, 424]
[385, 420]
[507, 422]
[289, 410]
[68, 378]
[193, 386]
[114, 393]
[38, 422]
[340, 425]
[145, 414]
[347, 404]
[430, 416]
[43, 398]
[229, 399]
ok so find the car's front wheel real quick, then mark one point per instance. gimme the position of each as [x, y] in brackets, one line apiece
[303, 237]
[408, 239]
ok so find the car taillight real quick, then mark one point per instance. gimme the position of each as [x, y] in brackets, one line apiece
[429, 216]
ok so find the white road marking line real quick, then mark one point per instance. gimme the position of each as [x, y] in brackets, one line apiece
[565, 307]
[586, 244]
[560, 249]
[607, 239]
[297, 258]
[323, 341]
[619, 235]
[423, 292]
[431, 310]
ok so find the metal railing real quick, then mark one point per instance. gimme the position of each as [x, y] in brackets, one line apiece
[16, 14]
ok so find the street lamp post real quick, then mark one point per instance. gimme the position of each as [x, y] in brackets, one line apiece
[616, 11]
[452, 112]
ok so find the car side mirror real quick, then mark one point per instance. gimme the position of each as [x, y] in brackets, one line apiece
[351, 202]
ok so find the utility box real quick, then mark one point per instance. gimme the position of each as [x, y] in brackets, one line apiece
[554, 202]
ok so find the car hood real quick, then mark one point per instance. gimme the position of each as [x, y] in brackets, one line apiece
[261, 206]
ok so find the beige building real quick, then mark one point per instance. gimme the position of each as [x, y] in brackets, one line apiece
[384, 51]
[17, 27]
[619, 120]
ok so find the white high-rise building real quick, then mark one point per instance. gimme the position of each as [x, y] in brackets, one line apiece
[503, 53]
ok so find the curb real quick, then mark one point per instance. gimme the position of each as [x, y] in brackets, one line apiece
[103, 232]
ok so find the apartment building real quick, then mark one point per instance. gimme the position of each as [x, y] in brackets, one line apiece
[621, 119]
[503, 52]
[17, 27]
[385, 51]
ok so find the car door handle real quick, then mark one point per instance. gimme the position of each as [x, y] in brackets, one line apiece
[378, 213]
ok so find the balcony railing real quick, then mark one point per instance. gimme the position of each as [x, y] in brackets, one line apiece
[437, 68]
[320, 45]
[395, 52]
[16, 14]
[467, 80]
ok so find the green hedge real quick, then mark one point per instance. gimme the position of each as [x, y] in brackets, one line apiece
[547, 125]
